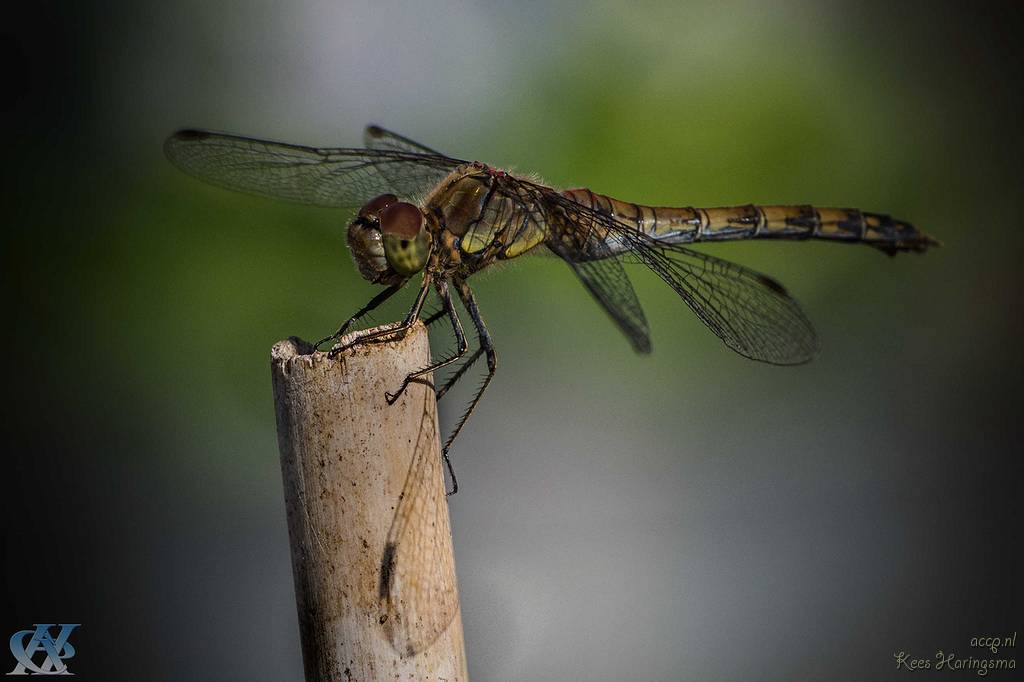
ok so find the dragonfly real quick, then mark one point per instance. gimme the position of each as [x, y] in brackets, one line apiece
[421, 213]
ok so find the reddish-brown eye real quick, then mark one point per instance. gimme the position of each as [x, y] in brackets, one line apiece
[374, 206]
[401, 220]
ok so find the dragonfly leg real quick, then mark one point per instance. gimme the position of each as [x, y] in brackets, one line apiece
[458, 373]
[374, 302]
[398, 330]
[434, 317]
[440, 394]
[487, 347]
[460, 337]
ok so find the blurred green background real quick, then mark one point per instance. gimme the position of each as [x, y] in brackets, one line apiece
[688, 515]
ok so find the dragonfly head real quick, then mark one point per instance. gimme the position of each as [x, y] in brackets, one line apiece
[388, 240]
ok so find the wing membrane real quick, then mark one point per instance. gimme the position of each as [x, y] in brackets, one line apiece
[376, 137]
[418, 594]
[608, 283]
[336, 177]
[752, 313]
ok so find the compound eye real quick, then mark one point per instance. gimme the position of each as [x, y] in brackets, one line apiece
[401, 220]
[374, 206]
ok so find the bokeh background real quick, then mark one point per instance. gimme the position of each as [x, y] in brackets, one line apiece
[688, 515]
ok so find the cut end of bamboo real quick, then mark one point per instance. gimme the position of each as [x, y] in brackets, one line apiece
[294, 347]
[290, 348]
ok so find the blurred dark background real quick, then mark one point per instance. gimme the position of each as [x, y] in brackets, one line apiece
[688, 515]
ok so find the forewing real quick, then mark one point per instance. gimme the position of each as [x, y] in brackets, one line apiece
[609, 284]
[336, 177]
[752, 313]
[418, 594]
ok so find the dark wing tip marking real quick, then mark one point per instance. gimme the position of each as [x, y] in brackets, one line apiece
[387, 564]
[374, 130]
[772, 284]
[189, 135]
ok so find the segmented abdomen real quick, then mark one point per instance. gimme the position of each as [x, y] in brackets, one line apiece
[688, 224]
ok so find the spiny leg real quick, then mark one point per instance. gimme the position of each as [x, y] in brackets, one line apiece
[434, 317]
[466, 294]
[460, 337]
[398, 330]
[466, 364]
[454, 378]
[374, 302]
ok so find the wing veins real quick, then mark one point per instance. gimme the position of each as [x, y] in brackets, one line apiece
[750, 312]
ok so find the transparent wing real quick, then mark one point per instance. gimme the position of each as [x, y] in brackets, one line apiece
[418, 595]
[752, 313]
[337, 177]
[376, 137]
[608, 283]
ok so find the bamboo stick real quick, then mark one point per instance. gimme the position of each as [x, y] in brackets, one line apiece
[367, 516]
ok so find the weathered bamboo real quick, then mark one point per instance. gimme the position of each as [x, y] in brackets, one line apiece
[367, 515]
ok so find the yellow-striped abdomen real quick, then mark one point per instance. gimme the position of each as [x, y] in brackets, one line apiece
[676, 225]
